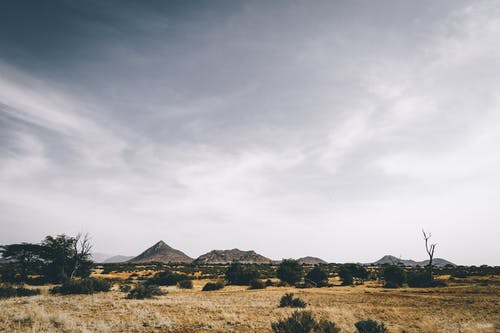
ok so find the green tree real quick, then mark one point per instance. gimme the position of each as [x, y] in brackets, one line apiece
[348, 272]
[394, 276]
[317, 276]
[290, 271]
[238, 274]
[24, 258]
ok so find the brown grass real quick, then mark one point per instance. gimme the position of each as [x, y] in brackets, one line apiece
[466, 308]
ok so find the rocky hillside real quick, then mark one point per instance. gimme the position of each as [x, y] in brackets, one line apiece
[161, 252]
[311, 261]
[228, 256]
[388, 259]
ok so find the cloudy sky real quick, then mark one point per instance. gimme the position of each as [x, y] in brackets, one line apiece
[337, 129]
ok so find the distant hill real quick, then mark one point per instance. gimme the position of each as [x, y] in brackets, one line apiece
[311, 261]
[161, 252]
[99, 257]
[228, 256]
[388, 259]
[117, 259]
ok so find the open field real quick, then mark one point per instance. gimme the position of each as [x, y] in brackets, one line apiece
[472, 306]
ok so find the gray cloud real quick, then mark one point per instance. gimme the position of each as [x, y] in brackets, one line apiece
[341, 127]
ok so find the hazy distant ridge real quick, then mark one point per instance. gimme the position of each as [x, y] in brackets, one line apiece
[389, 259]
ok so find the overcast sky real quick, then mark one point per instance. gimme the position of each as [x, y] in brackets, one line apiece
[337, 129]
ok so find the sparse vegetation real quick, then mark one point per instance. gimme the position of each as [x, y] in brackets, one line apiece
[290, 271]
[211, 286]
[370, 326]
[143, 291]
[167, 278]
[349, 273]
[82, 286]
[7, 291]
[394, 276]
[317, 276]
[303, 322]
[238, 274]
[185, 284]
[257, 284]
[289, 301]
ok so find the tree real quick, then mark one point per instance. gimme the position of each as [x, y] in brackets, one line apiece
[290, 271]
[317, 276]
[237, 274]
[429, 248]
[67, 257]
[394, 276]
[57, 258]
[26, 258]
[347, 273]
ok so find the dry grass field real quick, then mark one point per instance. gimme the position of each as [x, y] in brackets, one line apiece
[468, 307]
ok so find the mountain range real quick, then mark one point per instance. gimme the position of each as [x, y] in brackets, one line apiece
[161, 252]
[388, 259]
[228, 256]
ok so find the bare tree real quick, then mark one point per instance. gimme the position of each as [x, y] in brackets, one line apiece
[430, 251]
[82, 252]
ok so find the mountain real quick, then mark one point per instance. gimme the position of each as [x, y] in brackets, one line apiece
[161, 252]
[99, 257]
[117, 259]
[228, 256]
[388, 259]
[311, 261]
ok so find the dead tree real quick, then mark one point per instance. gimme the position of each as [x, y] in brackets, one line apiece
[430, 251]
[81, 251]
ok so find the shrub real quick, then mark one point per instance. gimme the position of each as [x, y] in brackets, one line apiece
[167, 278]
[143, 291]
[370, 326]
[257, 284]
[420, 279]
[347, 273]
[317, 277]
[269, 283]
[210, 286]
[83, 286]
[303, 322]
[185, 284]
[290, 301]
[125, 288]
[290, 271]
[7, 291]
[237, 274]
[394, 276]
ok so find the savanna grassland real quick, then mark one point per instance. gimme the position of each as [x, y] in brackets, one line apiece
[465, 305]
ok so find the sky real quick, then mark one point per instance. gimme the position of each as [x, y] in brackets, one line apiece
[336, 129]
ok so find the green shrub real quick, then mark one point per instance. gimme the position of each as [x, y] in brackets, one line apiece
[7, 291]
[303, 322]
[290, 271]
[317, 277]
[257, 284]
[370, 326]
[185, 284]
[394, 276]
[348, 272]
[143, 291]
[83, 286]
[289, 301]
[167, 278]
[238, 274]
[211, 286]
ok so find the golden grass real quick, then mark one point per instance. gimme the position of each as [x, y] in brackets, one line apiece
[468, 308]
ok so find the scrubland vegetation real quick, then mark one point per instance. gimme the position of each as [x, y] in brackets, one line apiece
[74, 295]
